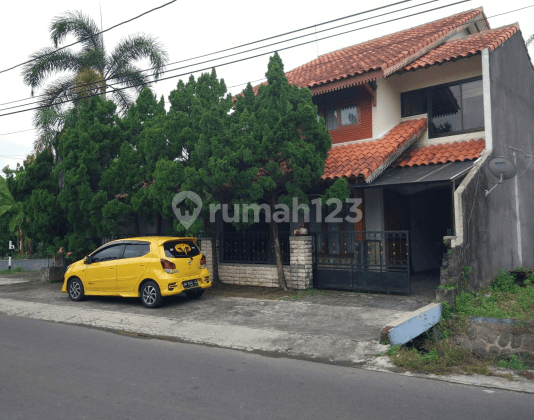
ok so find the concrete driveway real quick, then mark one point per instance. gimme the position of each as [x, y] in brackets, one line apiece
[341, 327]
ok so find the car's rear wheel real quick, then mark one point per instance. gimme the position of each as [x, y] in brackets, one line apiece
[150, 294]
[75, 289]
[194, 294]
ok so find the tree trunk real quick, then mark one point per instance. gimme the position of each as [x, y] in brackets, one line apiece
[136, 225]
[215, 262]
[158, 224]
[276, 241]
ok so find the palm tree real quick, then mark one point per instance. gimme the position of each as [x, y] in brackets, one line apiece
[91, 70]
[9, 206]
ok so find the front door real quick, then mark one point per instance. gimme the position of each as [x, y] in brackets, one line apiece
[101, 274]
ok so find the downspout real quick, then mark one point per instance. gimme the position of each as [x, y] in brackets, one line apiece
[459, 215]
[486, 89]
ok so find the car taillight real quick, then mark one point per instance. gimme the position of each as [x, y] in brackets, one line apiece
[203, 262]
[167, 266]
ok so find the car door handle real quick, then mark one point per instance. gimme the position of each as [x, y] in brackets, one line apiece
[112, 268]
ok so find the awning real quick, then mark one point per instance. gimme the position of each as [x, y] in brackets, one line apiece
[443, 172]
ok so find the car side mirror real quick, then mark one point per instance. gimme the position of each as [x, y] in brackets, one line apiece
[87, 260]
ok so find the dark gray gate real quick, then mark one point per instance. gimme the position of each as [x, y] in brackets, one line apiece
[375, 261]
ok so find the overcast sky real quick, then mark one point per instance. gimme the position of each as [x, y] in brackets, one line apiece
[189, 28]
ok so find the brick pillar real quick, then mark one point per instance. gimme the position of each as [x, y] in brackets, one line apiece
[300, 262]
[206, 248]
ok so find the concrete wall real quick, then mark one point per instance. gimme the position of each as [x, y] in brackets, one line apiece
[27, 265]
[498, 231]
[512, 94]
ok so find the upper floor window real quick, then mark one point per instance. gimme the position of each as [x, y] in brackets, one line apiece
[453, 108]
[337, 116]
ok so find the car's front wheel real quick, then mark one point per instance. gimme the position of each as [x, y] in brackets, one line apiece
[150, 294]
[76, 291]
[194, 294]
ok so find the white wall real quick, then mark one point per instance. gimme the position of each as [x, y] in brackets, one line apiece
[388, 110]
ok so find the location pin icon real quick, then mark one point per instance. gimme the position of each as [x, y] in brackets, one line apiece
[186, 219]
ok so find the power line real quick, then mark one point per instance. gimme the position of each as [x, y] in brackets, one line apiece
[262, 54]
[15, 132]
[254, 42]
[89, 37]
[279, 42]
[239, 53]
[235, 61]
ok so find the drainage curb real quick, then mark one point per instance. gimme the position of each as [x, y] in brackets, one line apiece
[411, 325]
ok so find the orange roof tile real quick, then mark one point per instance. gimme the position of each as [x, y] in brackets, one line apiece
[464, 47]
[369, 159]
[382, 55]
[441, 153]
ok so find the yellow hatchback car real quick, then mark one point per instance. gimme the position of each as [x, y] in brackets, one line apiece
[149, 267]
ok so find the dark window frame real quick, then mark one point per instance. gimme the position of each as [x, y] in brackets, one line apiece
[428, 93]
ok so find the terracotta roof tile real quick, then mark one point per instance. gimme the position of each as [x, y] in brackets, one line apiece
[464, 47]
[364, 158]
[441, 153]
[379, 54]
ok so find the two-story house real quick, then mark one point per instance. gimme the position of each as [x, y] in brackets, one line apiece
[414, 118]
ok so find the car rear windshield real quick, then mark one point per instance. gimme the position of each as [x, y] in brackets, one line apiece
[181, 249]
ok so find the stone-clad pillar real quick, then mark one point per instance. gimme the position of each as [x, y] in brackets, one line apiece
[300, 262]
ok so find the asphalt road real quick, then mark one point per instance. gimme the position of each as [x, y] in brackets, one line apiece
[55, 371]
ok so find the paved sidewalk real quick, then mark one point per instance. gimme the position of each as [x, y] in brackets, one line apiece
[343, 328]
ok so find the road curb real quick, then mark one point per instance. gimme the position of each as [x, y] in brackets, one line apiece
[409, 326]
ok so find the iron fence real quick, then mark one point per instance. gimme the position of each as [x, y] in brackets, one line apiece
[364, 261]
[386, 249]
[252, 248]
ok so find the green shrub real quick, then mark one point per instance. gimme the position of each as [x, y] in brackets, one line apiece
[513, 363]
[504, 282]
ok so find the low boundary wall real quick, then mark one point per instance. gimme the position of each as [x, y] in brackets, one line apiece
[299, 272]
[27, 265]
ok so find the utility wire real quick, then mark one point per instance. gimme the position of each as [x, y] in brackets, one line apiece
[250, 43]
[89, 37]
[15, 132]
[95, 83]
[231, 62]
[270, 52]
[279, 42]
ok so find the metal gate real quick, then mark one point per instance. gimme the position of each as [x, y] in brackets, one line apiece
[375, 261]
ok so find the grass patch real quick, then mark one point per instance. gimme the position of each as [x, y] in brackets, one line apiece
[421, 354]
[512, 363]
[503, 299]
[13, 270]
[426, 359]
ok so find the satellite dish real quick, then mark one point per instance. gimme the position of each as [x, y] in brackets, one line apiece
[501, 168]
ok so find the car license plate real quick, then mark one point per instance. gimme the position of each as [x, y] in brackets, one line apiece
[190, 283]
